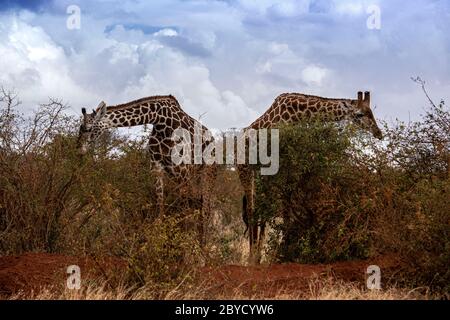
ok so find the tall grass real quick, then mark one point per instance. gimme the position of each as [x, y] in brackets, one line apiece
[325, 289]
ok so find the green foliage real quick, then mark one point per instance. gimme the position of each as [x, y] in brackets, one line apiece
[54, 200]
[159, 253]
[342, 195]
[314, 197]
[338, 195]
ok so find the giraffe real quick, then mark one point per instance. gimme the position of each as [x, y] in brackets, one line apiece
[166, 115]
[290, 108]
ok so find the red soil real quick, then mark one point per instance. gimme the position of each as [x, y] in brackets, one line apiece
[32, 271]
[292, 279]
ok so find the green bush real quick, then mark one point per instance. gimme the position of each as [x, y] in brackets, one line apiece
[338, 195]
[53, 200]
[341, 195]
[318, 197]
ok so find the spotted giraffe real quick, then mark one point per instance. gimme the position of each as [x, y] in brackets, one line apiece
[289, 108]
[166, 115]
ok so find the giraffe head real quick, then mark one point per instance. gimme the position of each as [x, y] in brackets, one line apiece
[362, 115]
[92, 126]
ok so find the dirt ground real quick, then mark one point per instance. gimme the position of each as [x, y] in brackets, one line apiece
[289, 279]
[33, 271]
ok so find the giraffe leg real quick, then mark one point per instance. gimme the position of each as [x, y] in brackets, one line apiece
[201, 229]
[253, 221]
[209, 174]
[159, 189]
[247, 216]
[246, 175]
[196, 204]
[261, 237]
[245, 213]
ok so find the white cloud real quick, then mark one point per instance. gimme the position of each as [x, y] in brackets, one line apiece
[120, 71]
[167, 32]
[349, 7]
[314, 75]
[35, 66]
[287, 8]
[166, 71]
[228, 58]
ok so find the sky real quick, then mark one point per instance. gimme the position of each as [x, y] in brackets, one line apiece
[226, 60]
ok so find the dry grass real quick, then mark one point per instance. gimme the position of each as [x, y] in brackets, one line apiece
[328, 289]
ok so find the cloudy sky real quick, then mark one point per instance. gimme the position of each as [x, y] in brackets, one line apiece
[226, 59]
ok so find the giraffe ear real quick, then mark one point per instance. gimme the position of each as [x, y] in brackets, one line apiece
[101, 110]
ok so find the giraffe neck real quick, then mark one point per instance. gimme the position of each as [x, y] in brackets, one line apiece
[294, 107]
[166, 115]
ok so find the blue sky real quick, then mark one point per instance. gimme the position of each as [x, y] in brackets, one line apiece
[226, 59]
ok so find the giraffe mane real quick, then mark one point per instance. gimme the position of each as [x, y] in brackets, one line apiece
[283, 95]
[134, 102]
